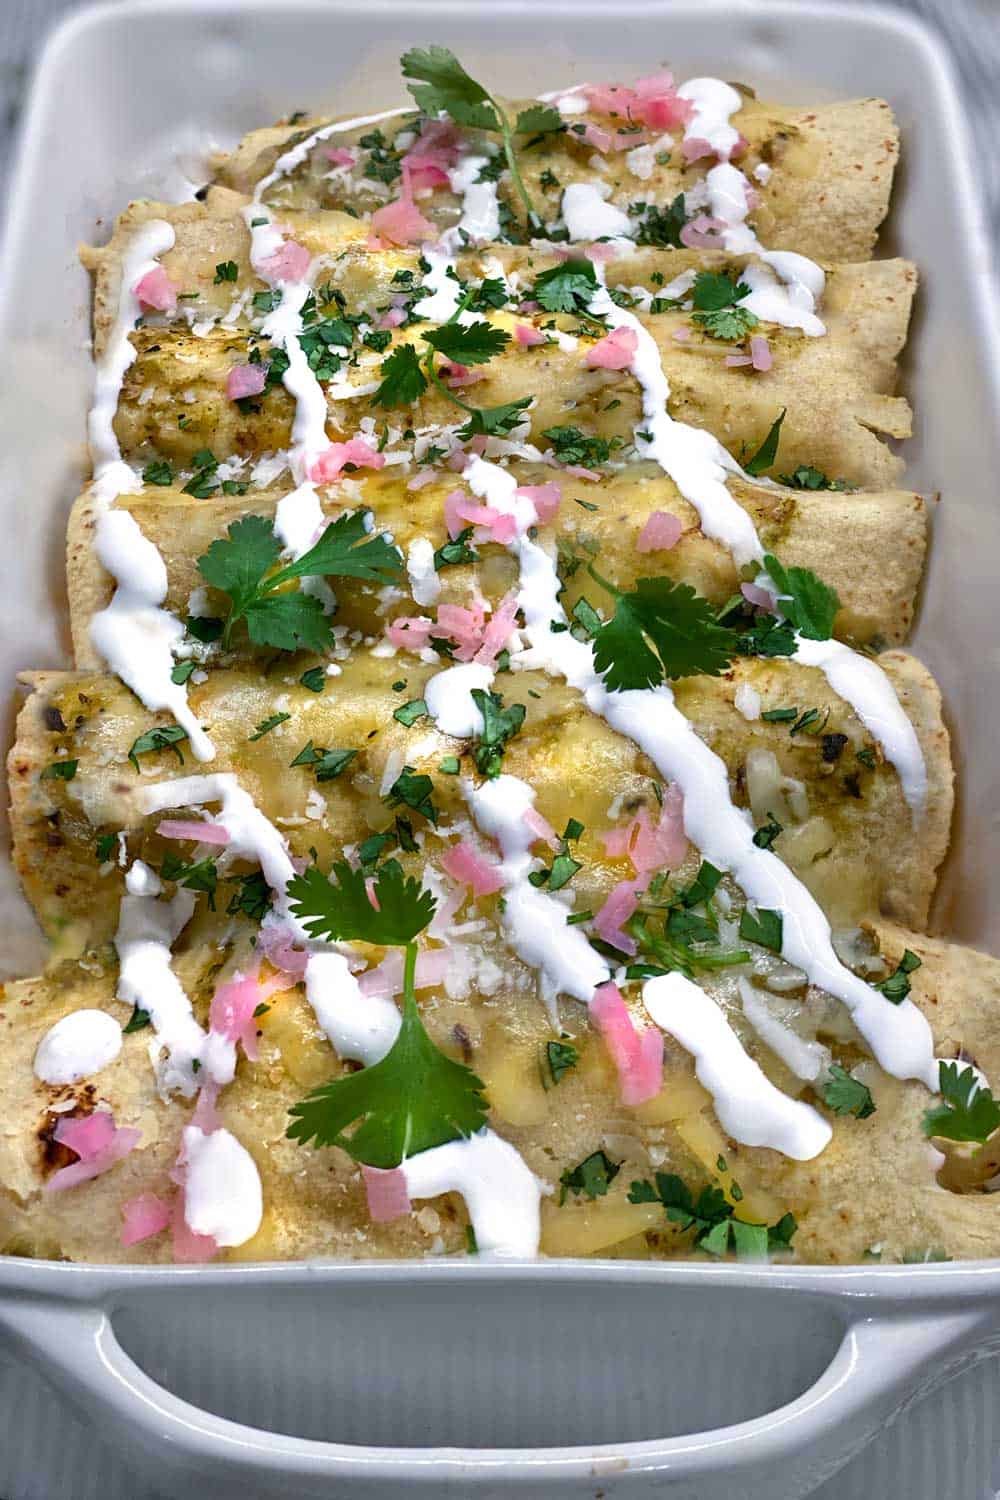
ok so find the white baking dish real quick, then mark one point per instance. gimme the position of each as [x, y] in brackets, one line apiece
[553, 1378]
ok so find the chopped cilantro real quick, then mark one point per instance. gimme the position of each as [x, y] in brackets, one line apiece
[499, 726]
[252, 898]
[314, 679]
[182, 671]
[137, 1021]
[226, 270]
[266, 725]
[765, 455]
[846, 1095]
[158, 472]
[409, 713]
[60, 770]
[415, 790]
[575, 447]
[201, 876]
[560, 1058]
[765, 928]
[897, 986]
[163, 737]
[592, 1176]
[567, 287]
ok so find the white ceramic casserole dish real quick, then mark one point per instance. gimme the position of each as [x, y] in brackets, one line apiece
[563, 1378]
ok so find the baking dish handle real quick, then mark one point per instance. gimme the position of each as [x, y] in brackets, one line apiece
[881, 1364]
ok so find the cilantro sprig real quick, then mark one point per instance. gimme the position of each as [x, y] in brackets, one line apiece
[710, 1215]
[968, 1110]
[659, 630]
[406, 374]
[439, 82]
[716, 297]
[416, 1097]
[243, 565]
[809, 604]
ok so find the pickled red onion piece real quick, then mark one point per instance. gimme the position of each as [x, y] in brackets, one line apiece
[386, 1193]
[661, 532]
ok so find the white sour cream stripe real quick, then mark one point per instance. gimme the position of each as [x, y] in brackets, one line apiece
[77, 1046]
[501, 1193]
[533, 921]
[714, 102]
[133, 634]
[748, 1105]
[898, 1035]
[698, 465]
[862, 683]
[222, 1189]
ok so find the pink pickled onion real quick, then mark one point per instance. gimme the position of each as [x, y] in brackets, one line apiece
[340, 156]
[386, 978]
[540, 827]
[205, 832]
[462, 862]
[156, 291]
[661, 532]
[610, 919]
[760, 352]
[546, 498]
[637, 1055]
[386, 1192]
[327, 466]
[528, 336]
[98, 1142]
[614, 352]
[143, 1216]
[245, 380]
[290, 263]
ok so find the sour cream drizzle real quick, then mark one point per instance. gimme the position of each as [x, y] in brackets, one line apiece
[748, 1105]
[133, 634]
[77, 1046]
[533, 921]
[222, 1190]
[501, 1193]
[698, 465]
[898, 1035]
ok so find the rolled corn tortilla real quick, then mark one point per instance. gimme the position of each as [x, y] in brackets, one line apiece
[874, 1191]
[831, 172]
[869, 547]
[836, 390]
[848, 832]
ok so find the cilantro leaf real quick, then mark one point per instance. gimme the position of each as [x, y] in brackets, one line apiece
[240, 565]
[474, 344]
[768, 450]
[711, 1217]
[592, 1176]
[494, 421]
[764, 928]
[403, 381]
[714, 290]
[661, 226]
[137, 1021]
[346, 550]
[846, 1095]
[288, 622]
[412, 1100]
[163, 737]
[339, 908]
[237, 564]
[201, 876]
[806, 601]
[499, 725]
[560, 1058]
[567, 287]
[659, 630]
[441, 83]
[575, 447]
[252, 899]
[729, 323]
[718, 315]
[805, 477]
[538, 119]
[968, 1111]
[897, 986]
[413, 789]
[60, 770]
